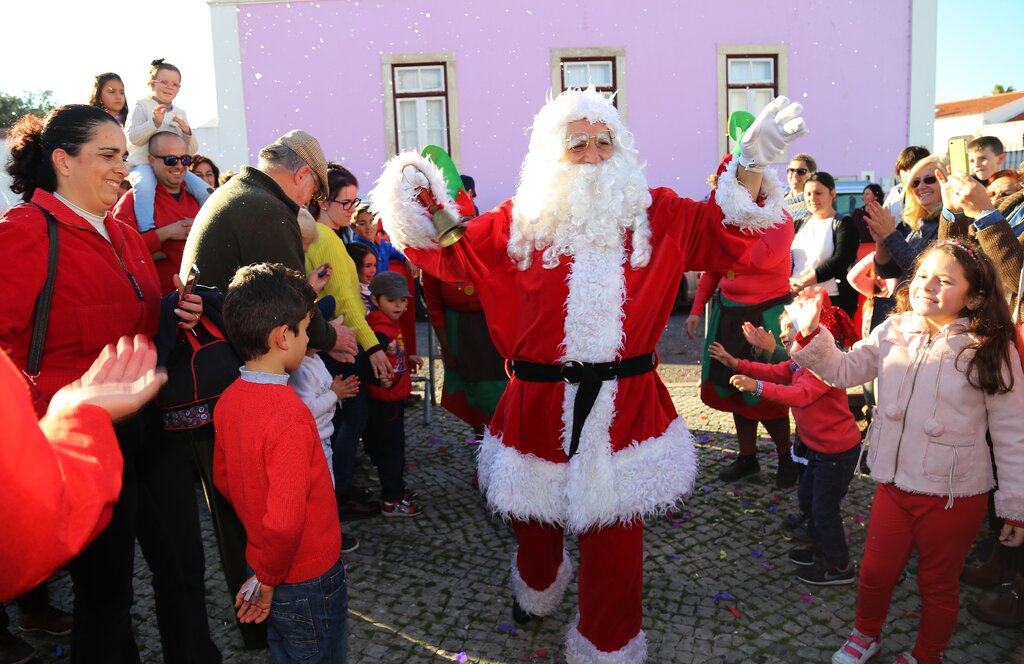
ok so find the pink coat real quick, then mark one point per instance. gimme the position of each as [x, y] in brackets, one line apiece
[928, 433]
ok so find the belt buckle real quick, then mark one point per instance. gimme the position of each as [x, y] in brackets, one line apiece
[574, 366]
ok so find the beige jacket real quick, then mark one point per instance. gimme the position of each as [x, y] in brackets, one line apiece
[140, 128]
[928, 432]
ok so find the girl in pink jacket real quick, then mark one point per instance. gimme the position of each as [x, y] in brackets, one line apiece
[948, 372]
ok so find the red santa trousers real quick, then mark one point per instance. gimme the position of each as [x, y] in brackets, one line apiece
[610, 581]
[901, 522]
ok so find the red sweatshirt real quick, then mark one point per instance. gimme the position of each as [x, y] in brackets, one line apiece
[391, 340]
[268, 462]
[822, 413]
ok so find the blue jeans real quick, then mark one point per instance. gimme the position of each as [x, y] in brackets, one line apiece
[822, 487]
[144, 185]
[309, 620]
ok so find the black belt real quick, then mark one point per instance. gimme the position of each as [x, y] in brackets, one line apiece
[588, 375]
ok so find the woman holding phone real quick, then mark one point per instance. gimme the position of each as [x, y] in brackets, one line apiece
[68, 168]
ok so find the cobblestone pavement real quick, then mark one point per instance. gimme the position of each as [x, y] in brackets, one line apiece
[428, 589]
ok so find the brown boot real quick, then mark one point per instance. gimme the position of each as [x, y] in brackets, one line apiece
[1000, 568]
[1006, 610]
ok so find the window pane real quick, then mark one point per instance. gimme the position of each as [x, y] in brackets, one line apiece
[737, 100]
[601, 74]
[739, 72]
[407, 80]
[758, 99]
[437, 137]
[431, 79]
[761, 71]
[407, 115]
[434, 114]
[575, 75]
[407, 141]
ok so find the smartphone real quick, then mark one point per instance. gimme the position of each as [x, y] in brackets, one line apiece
[190, 283]
[323, 273]
[958, 161]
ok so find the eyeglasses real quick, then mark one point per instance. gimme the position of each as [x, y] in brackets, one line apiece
[799, 171]
[928, 179]
[578, 143]
[168, 84]
[171, 160]
[347, 203]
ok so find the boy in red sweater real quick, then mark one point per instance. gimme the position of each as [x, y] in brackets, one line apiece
[269, 464]
[385, 427]
[830, 432]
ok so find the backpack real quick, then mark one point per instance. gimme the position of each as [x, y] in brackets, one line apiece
[200, 364]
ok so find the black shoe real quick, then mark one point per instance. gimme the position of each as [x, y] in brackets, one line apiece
[804, 556]
[798, 534]
[48, 620]
[822, 574]
[349, 543]
[519, 614]
[13, 650]
[787, 477]
[793, 521]
[357, 509]
[745, 464]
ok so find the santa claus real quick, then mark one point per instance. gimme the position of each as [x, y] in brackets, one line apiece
[577, 275]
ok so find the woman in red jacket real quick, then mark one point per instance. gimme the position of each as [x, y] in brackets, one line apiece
[69, 166]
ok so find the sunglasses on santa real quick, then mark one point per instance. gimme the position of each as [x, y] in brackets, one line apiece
[171, 160]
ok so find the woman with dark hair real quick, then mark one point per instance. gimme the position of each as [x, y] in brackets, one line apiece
[108, 94]
[871, 194]
[68, 168]
[207, 171]
[825, 245]
[342, 198]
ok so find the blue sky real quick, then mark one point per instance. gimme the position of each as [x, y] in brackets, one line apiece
[979, 46]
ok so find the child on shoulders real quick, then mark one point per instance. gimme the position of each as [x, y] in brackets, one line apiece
[269, 464]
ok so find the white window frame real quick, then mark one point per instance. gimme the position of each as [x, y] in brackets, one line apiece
[727, 51]
[445, 59]
[616, 53]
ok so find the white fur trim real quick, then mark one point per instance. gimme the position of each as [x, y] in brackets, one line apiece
[395, 204]
[648, 477]
[817, 350]
[542, 602]
[579, 649]
[740, 209]
[1010, 506]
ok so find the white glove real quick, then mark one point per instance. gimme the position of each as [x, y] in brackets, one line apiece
[414, 177]
[775, 128]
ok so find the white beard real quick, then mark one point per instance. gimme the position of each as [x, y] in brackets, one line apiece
[561, 207]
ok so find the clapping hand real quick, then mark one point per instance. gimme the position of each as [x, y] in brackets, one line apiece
[881, 223]
[758, 337]
[808, 306]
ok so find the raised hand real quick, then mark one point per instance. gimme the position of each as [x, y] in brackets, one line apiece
[743, 383]
[718, 352]
[962, 192]
[758, 337]
[808, 306]
[881, 223]
[776, 126]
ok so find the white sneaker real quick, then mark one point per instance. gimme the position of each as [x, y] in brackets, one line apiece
[857, 649]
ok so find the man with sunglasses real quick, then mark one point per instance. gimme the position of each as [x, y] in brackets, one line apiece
[174, 208]
[577, 276]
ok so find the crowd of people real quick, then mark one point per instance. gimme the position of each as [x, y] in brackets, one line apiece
[136, 251]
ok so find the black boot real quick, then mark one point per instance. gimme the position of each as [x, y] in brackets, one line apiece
[519, 614]
[787, 476]
[745, 464]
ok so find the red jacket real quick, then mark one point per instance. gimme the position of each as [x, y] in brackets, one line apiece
[391, 340]
[822, 413]
[59, 480]
[268, 462]
[103, 291]
[166, 211]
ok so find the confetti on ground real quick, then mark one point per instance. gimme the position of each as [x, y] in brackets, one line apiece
[808, 598]
[443, 448]
[773, 508]
[461, 658]
[675, 524]
[911, 614]
[768, 566]
[755, 554]
[706, 489]
[505, 627]
[735, 611]
[472, 441]
[734, 491]
[726, 596]
[722, 555]
[537, 654]
[858, 519]
[433, 440]
[59, 651]
[746, 503]
[727, 454]
[673, 556]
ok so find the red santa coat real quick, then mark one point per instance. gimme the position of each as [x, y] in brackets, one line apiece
[636, 454]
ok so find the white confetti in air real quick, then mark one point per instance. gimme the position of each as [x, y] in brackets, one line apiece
[258, 76]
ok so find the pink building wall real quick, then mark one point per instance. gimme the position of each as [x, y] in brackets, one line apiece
[317, 66]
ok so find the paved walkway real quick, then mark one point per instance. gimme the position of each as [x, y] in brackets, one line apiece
[718, 586]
